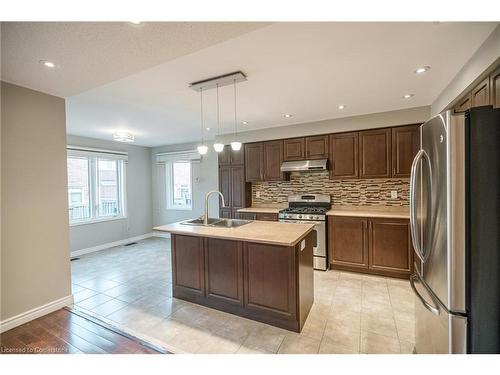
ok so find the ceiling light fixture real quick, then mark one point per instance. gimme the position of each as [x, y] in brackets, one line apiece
[244, 122]
[218, 147]
[202, 148]
[422, 69]
[48, 64]
[208, 129]
[287, 115]
[341, 106]
[235, 144]
[123, 137]
[408, 96]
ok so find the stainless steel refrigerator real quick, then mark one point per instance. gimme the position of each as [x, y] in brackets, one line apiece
[455, 225]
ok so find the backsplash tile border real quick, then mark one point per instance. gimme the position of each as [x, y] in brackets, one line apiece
[359, 192]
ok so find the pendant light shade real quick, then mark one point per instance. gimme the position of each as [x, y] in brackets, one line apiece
[202, 149]
[218, 147]
[236, 146]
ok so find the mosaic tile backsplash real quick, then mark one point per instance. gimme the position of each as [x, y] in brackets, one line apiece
[373, 192]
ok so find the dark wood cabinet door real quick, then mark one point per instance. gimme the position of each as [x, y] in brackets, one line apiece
[390, 246]
[273, 158]
[294, 149]
[348, 241]
[188, 264]
[375, 153]
[317, 147]
[405, 143]
[225, 213]
[265, 216]
[270, 279]
[495, 88]
[225, 156]
[237, 157]
[224, 270]
[344, 156]
[254, 162]
[238, 187]
[480, 95]
[225, 183]
[244, 215]
[463, 104]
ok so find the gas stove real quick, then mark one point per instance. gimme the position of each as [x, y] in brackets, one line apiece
[306, 207]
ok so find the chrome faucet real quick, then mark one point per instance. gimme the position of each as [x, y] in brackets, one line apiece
[205, 217]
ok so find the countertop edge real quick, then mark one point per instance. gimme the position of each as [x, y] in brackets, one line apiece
[388, 215]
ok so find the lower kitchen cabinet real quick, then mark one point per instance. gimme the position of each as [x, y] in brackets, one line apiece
[370, 245]
[266, 216]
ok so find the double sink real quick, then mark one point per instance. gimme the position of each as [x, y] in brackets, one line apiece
[217, 223]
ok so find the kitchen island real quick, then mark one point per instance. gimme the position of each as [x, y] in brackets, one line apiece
[261, 270]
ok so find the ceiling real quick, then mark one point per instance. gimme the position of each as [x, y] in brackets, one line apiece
[303, 69]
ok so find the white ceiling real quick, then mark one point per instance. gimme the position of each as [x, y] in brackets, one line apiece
[305, 69]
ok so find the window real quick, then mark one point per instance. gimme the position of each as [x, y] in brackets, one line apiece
[179, 185]
[95, 188]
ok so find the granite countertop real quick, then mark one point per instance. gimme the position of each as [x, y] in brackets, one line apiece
[371, 211]
[268, 232]
[264, 210]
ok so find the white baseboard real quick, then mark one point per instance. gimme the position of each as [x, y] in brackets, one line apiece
[110, 244]
[37, 312]
[160, 234]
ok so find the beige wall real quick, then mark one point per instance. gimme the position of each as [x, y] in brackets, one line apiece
[488, 55]
[35, 256]
[372, 120]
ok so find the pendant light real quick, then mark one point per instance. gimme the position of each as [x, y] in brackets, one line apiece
[202, 148]
[218, 147]
[235, 144]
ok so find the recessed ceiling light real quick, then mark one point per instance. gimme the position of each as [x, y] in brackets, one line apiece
[208, 129]
[408, 96]
[48, 64]
[244, 122]
[422, 69]
[123, 137]
[341, 106]
[287, 115]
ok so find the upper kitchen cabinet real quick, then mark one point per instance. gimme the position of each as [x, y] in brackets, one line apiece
[495, 88]
[317, 147]
[405, 141]
[480, 95]
[273, 158]
[254, 162]
[344, 156]
[375, 153]
[463, 104]
[230, 157]
[294, 149]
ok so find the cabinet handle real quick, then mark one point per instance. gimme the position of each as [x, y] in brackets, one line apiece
[393, 171]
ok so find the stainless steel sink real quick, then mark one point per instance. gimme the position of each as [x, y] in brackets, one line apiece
[215, 222]
[231, 223]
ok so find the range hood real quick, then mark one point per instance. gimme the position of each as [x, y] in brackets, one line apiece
[305, 165]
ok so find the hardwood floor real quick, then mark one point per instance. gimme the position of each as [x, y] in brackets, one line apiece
[64, 332]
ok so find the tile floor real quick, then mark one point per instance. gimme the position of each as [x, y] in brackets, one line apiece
[352, 313]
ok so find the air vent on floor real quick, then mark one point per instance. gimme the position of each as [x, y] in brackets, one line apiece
[130, 244]
[72, 259]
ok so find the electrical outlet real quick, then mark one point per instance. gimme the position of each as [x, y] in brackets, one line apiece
[394, 194]
[257, 194]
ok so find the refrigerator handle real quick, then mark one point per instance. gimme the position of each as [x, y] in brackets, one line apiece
[427, 305]
[413, 205]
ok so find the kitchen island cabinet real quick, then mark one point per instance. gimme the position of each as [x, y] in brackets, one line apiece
[260, 271]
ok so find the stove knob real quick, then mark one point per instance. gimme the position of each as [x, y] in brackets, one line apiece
[300, 216]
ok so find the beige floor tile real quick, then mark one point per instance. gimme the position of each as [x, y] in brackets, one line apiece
[134, 318]
[329, 346]
[349, 319]
[314, 326]
[190, 340]
[218, 345]
[342, 335]
[109, 307]
[83, 295]
[94, 301]
[406, 330]
[372, 343]
[374, 308]
[267, 339]
[99, 285]
[378, 324]
[245, 350]
[238, 329]
[406, 347]
[299, 345]
[344, 275]
[349, 283]
[165, 330]
[375, 296]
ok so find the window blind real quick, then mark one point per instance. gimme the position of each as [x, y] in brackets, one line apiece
[167, 157]
[77, 151]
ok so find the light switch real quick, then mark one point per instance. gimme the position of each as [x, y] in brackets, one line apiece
[394, 194]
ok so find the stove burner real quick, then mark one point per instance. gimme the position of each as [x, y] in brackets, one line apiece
[305, 210]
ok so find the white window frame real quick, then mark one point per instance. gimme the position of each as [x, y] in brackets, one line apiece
[169, 183]
[93, 188]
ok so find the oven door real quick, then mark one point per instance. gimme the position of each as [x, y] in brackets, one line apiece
[319, 241]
